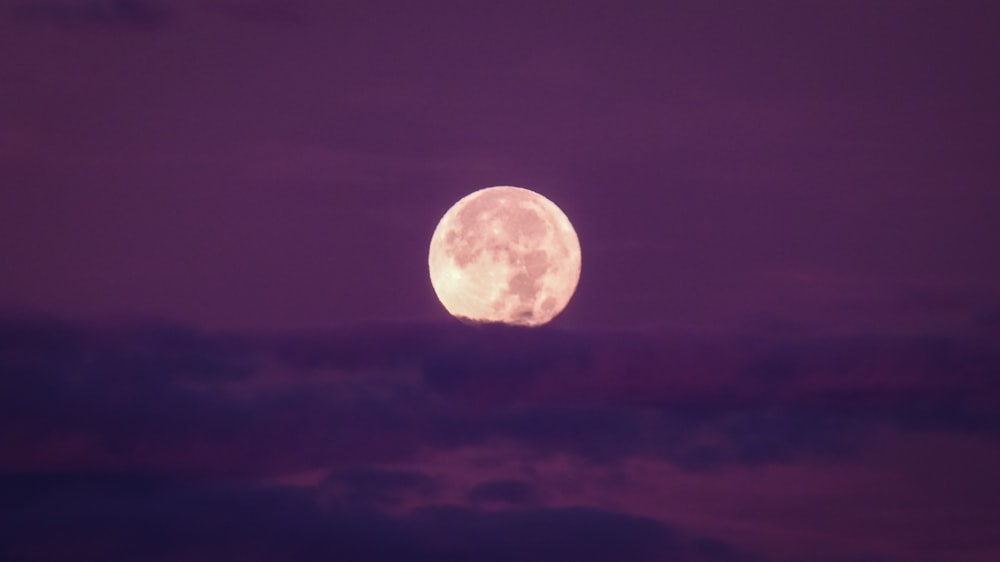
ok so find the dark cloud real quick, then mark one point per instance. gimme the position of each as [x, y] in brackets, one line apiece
[485, 353]
[364, 488]
[164, 433]
[560, 534]
[34, 489]
[128, 517]
[136, 14]
[512, 492]
[268, 405]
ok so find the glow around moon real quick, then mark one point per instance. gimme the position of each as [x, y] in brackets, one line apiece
[505, 254]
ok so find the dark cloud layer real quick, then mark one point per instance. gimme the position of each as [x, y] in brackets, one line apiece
[386, 394]
[112, 517]
[134, 427]
[513, 492]
[364, 488]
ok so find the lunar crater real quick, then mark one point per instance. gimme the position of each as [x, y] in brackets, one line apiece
[507, 255]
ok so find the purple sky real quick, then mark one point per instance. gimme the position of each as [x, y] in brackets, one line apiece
[219, 339]
[282, 164]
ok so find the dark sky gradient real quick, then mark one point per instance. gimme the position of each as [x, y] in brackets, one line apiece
[218, 338]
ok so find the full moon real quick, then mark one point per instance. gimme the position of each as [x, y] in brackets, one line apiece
[504, 255]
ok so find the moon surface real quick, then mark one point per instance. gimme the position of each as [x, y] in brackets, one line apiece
[504, 255]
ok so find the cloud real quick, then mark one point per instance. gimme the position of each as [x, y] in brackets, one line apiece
[31, 489]
[561, 534]
[394, 431]
[511, 492]
[367, 488]
[206, 520]
[134, 14]
[269, 405]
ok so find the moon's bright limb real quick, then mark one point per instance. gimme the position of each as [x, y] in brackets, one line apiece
[505, 254]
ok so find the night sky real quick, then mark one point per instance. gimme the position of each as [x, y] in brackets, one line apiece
[219, 340]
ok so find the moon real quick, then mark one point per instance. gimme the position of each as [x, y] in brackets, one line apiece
[504, 255]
